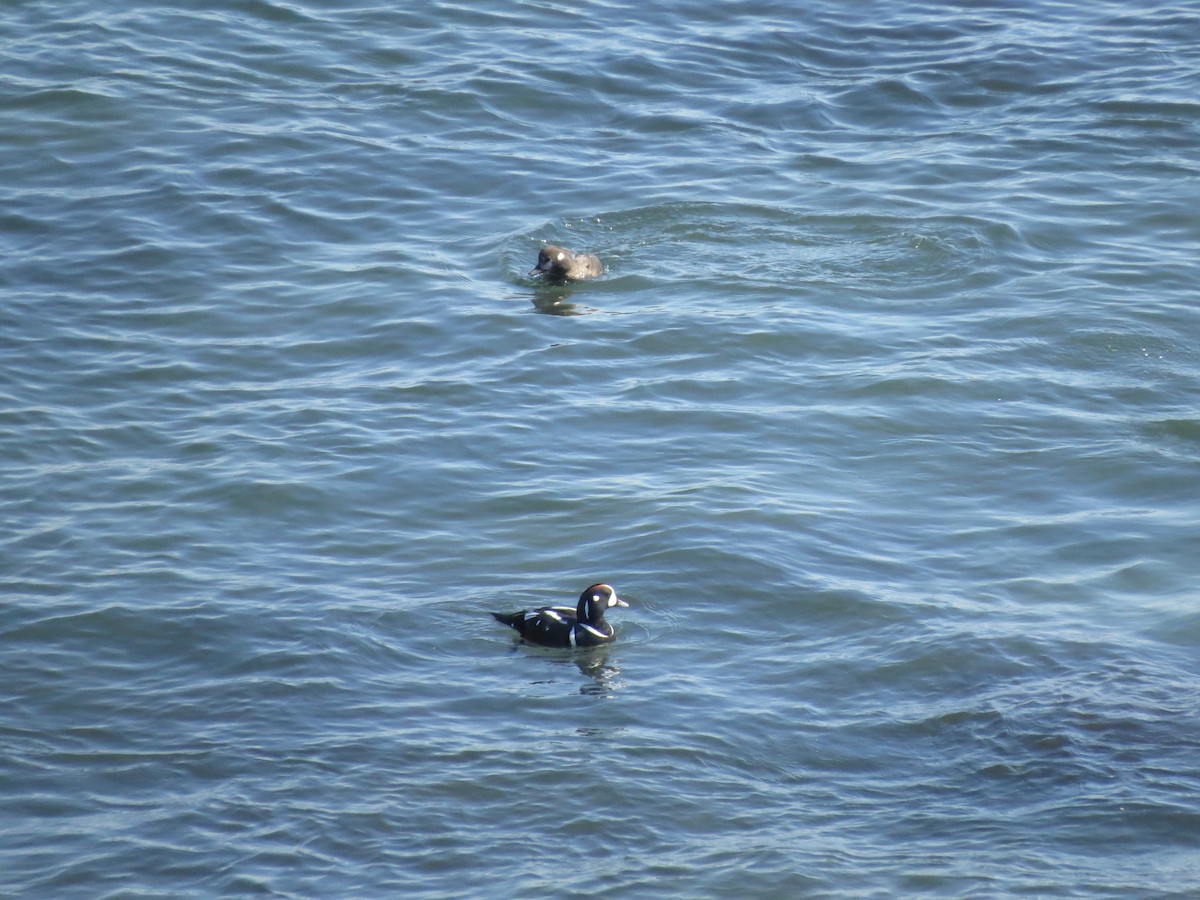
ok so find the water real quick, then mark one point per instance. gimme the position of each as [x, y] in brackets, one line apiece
[883, 420]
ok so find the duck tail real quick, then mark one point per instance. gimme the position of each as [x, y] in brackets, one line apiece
[509, 619]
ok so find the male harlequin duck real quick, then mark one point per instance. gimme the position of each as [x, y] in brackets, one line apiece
[560, 264]
[562, 626]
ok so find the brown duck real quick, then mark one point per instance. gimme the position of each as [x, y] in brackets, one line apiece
[561, 264]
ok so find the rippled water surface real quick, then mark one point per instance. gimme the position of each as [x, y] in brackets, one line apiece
[883, 419]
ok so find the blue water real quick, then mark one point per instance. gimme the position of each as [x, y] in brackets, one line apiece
[883, 418]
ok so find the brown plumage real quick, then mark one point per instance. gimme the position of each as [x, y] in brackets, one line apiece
[561, 264]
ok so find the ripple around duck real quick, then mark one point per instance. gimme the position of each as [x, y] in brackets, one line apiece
[738, 248]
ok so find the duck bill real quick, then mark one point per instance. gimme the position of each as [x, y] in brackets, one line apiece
[617, 601]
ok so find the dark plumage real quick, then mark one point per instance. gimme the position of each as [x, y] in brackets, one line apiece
[560, 264]
[562, 626]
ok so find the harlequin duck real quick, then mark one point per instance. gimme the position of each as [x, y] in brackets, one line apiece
[562, 626]
[560, 264]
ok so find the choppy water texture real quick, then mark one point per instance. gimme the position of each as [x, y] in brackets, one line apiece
[883, 418]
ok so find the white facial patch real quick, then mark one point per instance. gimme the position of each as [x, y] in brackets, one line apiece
[561, 257]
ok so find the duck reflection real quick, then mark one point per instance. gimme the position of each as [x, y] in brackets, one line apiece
[552, 301]
[594, 665]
